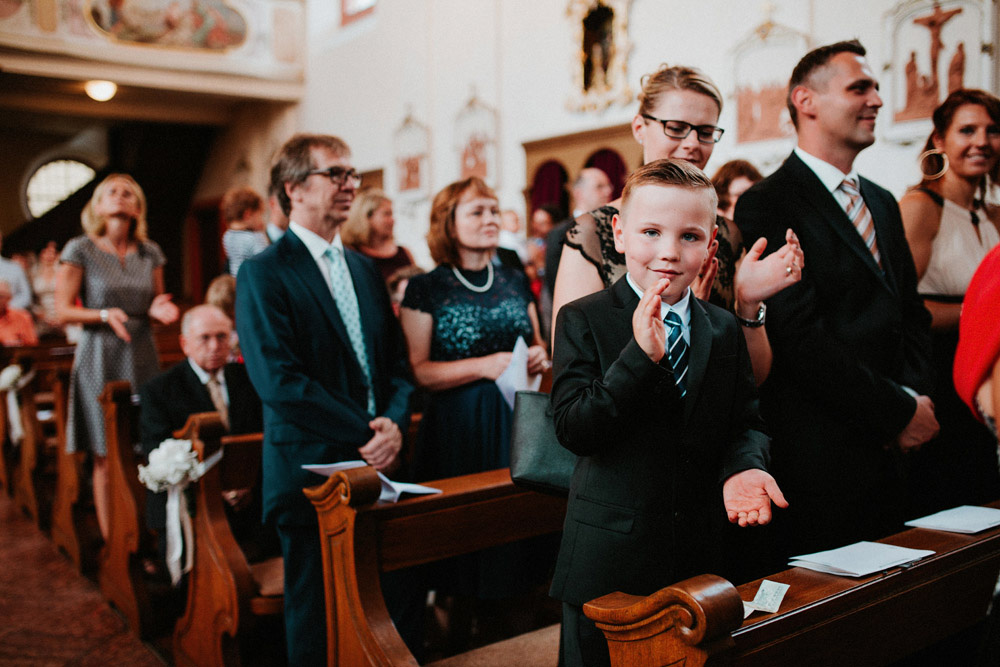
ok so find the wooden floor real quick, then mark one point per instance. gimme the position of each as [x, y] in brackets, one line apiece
[51, 615]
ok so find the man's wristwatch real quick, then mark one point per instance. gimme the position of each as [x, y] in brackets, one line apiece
[104, 315]
[753, 324]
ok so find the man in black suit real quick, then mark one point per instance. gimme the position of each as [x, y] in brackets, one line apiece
[170, 398]
[845, 398]
[328, 359]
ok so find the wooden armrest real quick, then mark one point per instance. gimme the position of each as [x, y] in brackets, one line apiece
[701, 609]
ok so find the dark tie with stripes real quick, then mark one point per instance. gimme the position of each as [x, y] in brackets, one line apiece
[677, 350]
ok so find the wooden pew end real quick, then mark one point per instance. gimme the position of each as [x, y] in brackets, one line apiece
[700, 611]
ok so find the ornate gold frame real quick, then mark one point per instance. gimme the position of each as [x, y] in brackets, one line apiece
[613, 87]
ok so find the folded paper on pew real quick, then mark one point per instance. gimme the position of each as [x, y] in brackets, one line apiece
[966, 519]
[391, 491]
[768, 598]
[859, 559]
[515, 377]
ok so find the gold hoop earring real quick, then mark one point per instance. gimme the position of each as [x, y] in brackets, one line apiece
[929, 153]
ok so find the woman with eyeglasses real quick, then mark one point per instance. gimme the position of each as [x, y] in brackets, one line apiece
[678, 113]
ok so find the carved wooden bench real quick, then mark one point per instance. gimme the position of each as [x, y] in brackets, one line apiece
[824, 620]
[120, 573]
[36, 477]
[363, 537]
[226, 594]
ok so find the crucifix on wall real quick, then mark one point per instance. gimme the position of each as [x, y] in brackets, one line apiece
[923, 91]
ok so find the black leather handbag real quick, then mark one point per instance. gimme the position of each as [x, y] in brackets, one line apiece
[537, 460]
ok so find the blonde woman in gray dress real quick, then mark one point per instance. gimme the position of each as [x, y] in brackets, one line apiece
[110, 281]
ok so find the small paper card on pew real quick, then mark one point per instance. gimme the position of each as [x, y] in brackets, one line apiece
[391, 491]
[515, 377]
[859, 559]
[966, 519]
[768, 598]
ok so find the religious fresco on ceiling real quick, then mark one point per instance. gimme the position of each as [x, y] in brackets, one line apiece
[195, 24]
[262, 39]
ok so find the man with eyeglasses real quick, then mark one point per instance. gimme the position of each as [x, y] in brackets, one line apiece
[328, 360]
[844, 401]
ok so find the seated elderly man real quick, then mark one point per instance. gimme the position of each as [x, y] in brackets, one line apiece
[16, 325]
[203, 382]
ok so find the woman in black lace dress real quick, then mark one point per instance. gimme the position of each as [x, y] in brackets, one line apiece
[679, 108]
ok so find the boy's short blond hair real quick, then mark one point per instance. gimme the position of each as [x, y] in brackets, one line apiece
[670, 173]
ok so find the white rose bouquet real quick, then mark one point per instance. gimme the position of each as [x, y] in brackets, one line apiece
[172, 463]
[9, 377]
[172, 466]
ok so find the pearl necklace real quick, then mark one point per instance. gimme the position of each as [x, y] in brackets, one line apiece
[470, 286]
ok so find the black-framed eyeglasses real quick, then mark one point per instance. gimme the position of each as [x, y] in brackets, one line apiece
[679, 129]
[338, 175]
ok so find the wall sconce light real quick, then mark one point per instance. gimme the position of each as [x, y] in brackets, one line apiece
[100, 91]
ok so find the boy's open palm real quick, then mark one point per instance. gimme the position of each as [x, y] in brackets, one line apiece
[647, 327]
[748, 495]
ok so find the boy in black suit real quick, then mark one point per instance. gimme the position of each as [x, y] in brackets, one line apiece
[662, 415]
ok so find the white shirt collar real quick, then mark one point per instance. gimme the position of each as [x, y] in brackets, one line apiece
[315, 244]
[831, 177]
[682, 307]
[204, 376]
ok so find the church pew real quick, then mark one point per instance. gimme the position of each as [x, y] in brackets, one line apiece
[824, 620]
[226, 595]
[119, 570]
[30, 496]
[363, 537]
[36, 481]
[30, 460]
[73, 529]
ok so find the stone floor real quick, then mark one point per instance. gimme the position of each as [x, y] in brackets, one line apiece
[49, 613]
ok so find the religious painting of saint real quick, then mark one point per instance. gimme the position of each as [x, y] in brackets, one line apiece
[191, 24]
[600, 51]
[598, 46]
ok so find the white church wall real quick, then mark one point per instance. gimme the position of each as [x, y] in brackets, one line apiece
[427, 55]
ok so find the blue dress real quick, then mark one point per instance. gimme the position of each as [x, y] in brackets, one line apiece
[466, 429]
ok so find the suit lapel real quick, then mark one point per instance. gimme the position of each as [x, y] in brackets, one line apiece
[880, 218]
[815, 193]
[304, 269]
[699, 351]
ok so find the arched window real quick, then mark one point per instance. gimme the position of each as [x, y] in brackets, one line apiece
[53, 182]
